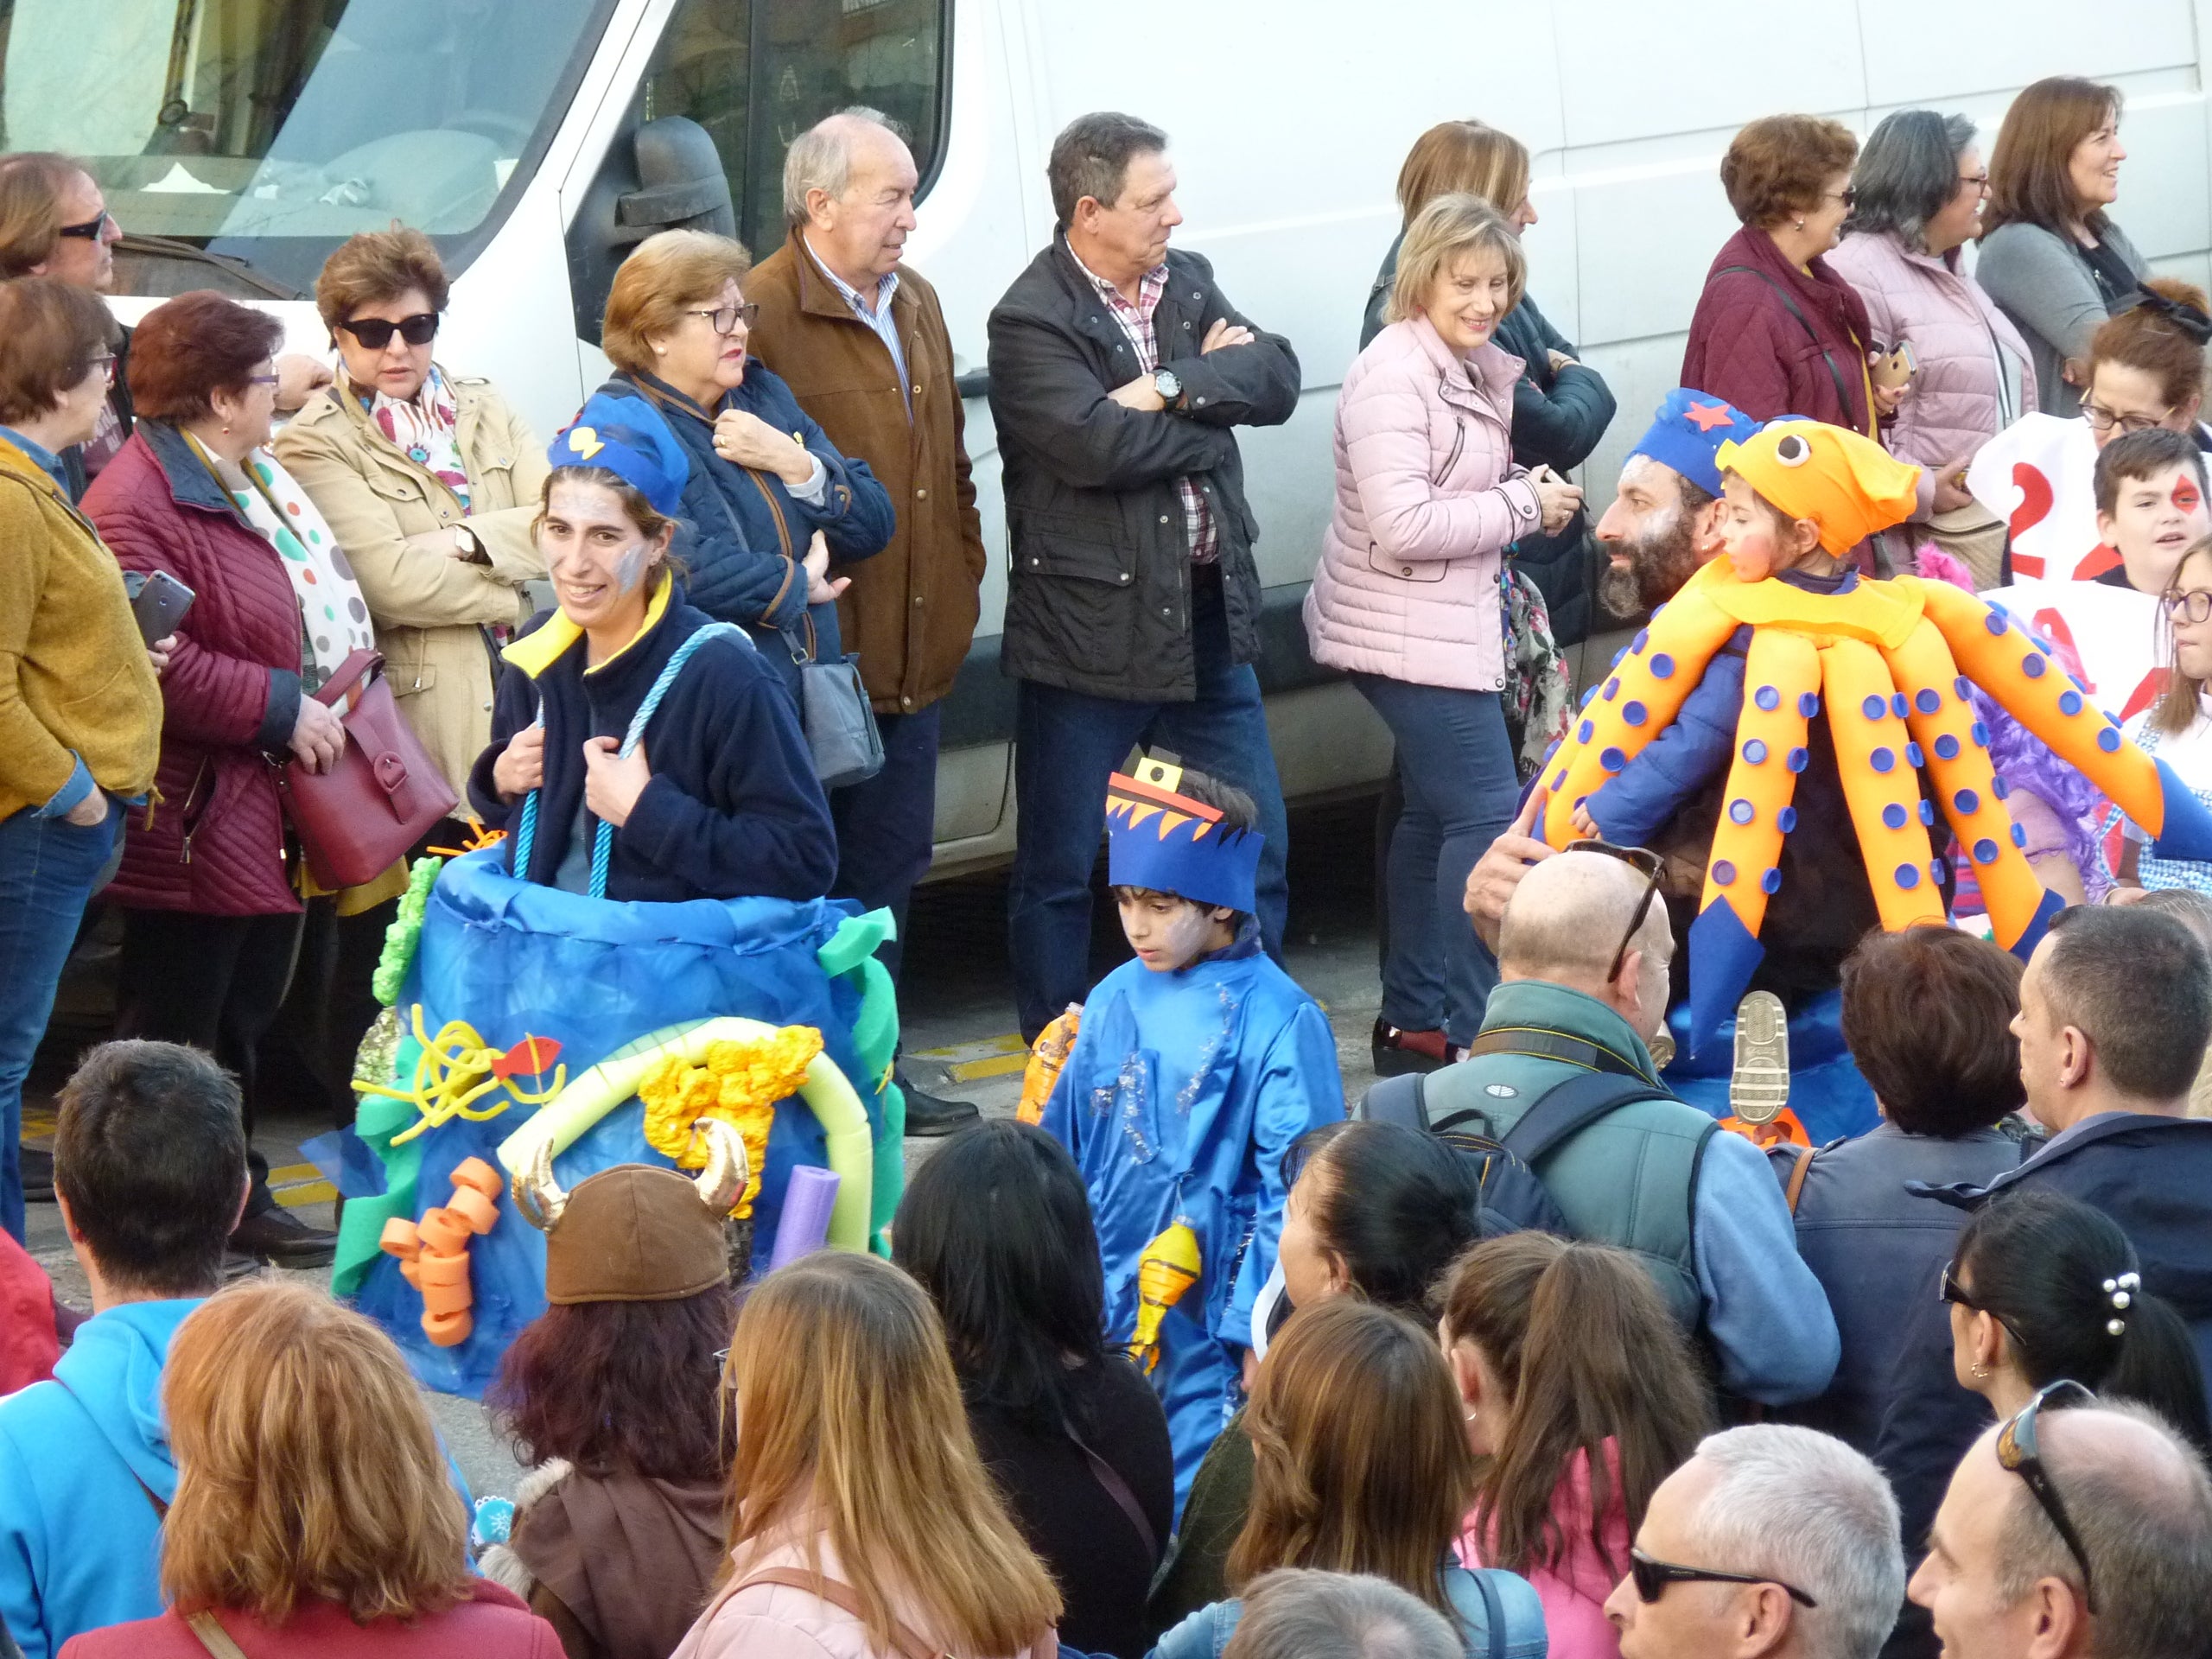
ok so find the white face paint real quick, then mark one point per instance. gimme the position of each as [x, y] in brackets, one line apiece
[1166, 933]
[630, 568]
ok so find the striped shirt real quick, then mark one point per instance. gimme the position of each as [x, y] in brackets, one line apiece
[877, 317]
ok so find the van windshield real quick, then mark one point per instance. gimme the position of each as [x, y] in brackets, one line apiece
[271, 130]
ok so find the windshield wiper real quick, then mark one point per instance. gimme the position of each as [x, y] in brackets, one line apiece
[168, 247]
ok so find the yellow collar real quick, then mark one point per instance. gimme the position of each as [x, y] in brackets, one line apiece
[1881, 612]
[538, 651]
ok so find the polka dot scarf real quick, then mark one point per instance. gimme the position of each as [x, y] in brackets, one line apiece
[423, 429]
[334, 617]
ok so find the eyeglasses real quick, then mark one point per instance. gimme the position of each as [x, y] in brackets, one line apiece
[1640, 859]
[1652, 1577]
[1980, 180]
[264, 380]
[92, 230]
[375, 333]
[1848, 197]
[2101, 419]
[2195, 606]
[2016, 1450]
[105, 364]
[725, 319]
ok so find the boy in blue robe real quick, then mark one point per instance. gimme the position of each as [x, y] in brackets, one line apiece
[1195, 1066]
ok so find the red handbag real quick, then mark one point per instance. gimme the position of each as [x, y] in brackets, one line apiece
[382, 795]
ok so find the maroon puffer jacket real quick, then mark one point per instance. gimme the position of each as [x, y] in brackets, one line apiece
[230, 695]
[1744, 345]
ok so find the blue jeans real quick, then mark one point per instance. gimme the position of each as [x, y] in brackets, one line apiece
[48, 867]
[886, 827]
[1067, 742]
[1456, 764]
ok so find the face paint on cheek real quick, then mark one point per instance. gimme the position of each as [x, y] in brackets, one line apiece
[629, 568]
[2187, 498]
[1184, 934]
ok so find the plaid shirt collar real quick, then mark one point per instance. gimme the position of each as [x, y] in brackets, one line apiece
[1150, 287]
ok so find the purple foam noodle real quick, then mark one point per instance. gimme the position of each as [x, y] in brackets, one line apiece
[805, 1227]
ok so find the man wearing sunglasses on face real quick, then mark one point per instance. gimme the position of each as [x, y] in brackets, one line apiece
[1772, 1542]
[54, 222]
[2074, 1530]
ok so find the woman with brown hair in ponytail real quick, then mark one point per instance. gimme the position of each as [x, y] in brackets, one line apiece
[1581, 1394]
[862, 1523]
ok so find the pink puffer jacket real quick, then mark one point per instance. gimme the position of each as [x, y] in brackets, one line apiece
[1956, 402]
[1428, 501]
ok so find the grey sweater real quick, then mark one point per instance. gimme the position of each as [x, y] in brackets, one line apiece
[2043, 281]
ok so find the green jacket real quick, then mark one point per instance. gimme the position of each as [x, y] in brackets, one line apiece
[1628, 1179]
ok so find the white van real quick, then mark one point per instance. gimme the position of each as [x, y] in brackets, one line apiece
[239, 141]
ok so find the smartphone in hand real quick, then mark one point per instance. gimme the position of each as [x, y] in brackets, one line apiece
[158, 602]
[1895, 367]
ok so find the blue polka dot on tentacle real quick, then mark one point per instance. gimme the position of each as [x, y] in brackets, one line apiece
[1936, 871]
[1634, 712]
[2033, 666]
[1913, 756]
[2069, 702]
[1612, 688]
[1967, 803]
[1741, 811]
[1946, 747]
[1874, 706]
[1797, 759]
[1584, 732]
[1961, 686]
[1612, 760]
[1995, 620]
[1980, 735]
[1808, 703]
[1659, 610]
[2019, 836]
[1928, 700]
[1927, 810]
[1767, 698]
[1898, 704]
[1559, 782]
[1999, 788]
[2041, 645]
[1635, 646]
[1662, 666]
[1771, 883]
[1985, 851]
[1908, 876]
[2108, 741]
[1723, 872]
[1883, 759]
[1894, 816]
[1588, 697]
[1786, 820]
[1755, 752]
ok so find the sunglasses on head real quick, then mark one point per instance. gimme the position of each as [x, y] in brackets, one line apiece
[1651, 1577]
[1647, 864]
[2016, 1452]
[375, 333]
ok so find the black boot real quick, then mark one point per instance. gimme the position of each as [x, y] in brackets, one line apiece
[928, 1113]
[284, 1241]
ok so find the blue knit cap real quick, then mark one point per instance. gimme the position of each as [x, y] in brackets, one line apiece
[627, 437]
[1687, 432]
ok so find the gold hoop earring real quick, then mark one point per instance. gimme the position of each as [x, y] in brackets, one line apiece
[1981, 1371]
[1800, 225]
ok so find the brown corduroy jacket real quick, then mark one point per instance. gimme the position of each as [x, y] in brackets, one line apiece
[911, 610]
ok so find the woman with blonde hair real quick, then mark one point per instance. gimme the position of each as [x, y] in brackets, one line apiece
[861, 1520]
[1408, 598]
[1361, 1464]
[315, 1514]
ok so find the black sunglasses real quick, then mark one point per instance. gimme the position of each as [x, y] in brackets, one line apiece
[375, 333]
[2016, 1452]
[1647, 863]
[1652, 1577]
[91, 230]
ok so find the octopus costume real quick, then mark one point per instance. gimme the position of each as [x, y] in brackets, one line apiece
[1894, 664]
[1178, 1101]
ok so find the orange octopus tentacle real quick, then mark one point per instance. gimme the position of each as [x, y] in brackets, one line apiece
[1942, 723]
[1878, 766]
[1782, 681]
[1636, 702]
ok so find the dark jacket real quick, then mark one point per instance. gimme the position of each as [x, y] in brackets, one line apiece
[1557, 418]
[911, 610]
[1744, 345]
[1098, 598]
[1196, 1572]
[620, 1565]
[1875, 1248]
[742, 533]
[1083, 1536]
[732, 810]
[230, 693]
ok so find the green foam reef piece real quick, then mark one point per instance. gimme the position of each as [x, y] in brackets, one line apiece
[875, 1038]
[361, 1230]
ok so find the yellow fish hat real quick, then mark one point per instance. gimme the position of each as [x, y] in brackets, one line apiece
[1846, 484]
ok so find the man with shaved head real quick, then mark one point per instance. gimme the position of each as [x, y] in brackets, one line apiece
[1583, 954]
[2002, 1581]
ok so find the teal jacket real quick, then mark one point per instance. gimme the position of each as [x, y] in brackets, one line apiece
[83, 1460]
[1698, 1206]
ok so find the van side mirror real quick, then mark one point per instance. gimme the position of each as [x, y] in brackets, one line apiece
[667, 177]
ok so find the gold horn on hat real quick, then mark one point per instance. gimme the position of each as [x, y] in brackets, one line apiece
[537, 1195]
[729, 1169]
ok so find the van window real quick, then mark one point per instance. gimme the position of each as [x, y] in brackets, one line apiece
[271, 130]
[757, 73]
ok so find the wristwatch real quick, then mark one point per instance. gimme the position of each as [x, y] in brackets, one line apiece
[1168, 386]
[469, 544]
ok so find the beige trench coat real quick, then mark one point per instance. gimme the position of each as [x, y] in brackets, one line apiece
[429, 609]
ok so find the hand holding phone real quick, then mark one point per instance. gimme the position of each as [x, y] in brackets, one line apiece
[1895, 368]
[158, 602]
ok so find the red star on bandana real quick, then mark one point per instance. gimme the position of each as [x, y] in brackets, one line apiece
[1706, 416]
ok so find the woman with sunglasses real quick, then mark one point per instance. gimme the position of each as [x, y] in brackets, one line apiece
[2177, 727]
[2045, 1288]
[429, 481]
[1921, 185]
[770, 502]
[1778, 331]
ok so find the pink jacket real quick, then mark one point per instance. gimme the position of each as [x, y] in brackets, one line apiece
[1428, 501]
[1956, 403]
[774, 1621]
[1573, 1591]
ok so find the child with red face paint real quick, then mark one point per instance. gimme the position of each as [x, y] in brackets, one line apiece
[2150, 505]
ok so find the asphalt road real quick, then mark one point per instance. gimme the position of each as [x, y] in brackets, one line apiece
[961, 1040]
